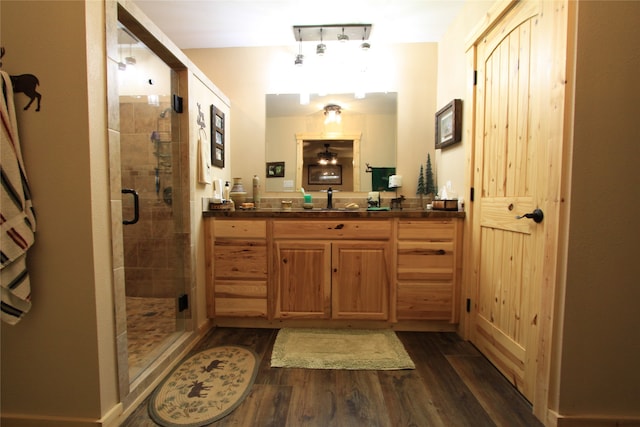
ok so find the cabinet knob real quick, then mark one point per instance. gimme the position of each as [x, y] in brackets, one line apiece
[284, 260]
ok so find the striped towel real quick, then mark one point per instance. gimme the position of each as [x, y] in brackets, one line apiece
[17, 219]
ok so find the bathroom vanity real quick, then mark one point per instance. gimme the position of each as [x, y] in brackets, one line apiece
[337, 268]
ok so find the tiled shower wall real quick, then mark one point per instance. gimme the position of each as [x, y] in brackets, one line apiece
[150, 257]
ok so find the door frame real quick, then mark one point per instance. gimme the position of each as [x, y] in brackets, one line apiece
[554, 23]
[131, 391]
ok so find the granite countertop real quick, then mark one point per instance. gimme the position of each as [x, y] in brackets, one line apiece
[331, 213]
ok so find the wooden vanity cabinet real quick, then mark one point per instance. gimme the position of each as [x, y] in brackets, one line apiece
[428, 265]
[405, 271]
[332, 269]
[238, 250]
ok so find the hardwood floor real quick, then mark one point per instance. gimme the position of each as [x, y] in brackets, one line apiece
[453, 385]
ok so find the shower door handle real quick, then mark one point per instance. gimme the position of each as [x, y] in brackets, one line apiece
[136, 206]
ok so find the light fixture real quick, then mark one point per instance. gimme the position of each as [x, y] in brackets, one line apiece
[332, 113]
[327, 157]
[121, 65]
[365, 46]
[342, 37]
[321, 48]
[130, 60]
[299, 57]
[348, 35]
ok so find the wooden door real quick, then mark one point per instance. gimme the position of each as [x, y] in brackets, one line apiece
[360, 280]
[303, 279]
[508, 252]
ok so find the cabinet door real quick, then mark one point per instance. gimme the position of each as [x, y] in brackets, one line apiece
[303, 280]
[360, 280]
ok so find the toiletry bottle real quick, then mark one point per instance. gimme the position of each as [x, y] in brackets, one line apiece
[256, 190]
[227, 190]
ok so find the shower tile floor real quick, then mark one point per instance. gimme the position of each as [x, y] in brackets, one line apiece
[151, 326]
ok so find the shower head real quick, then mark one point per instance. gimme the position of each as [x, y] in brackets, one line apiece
[164, 113]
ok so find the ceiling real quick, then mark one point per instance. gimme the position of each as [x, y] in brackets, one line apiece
[251, 23]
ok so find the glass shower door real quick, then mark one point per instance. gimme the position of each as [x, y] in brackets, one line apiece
[153, 235]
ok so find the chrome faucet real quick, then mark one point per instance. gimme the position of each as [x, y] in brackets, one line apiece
[329, 198]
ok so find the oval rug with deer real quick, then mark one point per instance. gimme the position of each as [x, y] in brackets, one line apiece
[205, 387]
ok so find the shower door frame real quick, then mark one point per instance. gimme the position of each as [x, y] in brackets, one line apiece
[129, 390]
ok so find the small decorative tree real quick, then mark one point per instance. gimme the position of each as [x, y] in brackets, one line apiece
[421, 187]
[430, 189]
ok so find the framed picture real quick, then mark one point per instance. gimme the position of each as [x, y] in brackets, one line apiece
[449, 124]
[325, 174]
[275, 170]
[217, 137]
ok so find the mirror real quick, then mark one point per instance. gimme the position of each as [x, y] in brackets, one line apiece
[296, 134]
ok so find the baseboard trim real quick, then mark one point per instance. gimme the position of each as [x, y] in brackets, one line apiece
[110, 419]
[556, 420]
[26, 420]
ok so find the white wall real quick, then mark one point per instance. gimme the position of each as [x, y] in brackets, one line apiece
[600, 343]
[59, 360]
[452, 84]
[203, 92]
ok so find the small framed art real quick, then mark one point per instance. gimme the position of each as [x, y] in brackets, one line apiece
[449, 124]
[217, 137]
[275, 169]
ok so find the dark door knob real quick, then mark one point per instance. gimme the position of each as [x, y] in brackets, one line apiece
[537, 215]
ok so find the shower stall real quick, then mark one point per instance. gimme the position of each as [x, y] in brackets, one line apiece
[154, 240]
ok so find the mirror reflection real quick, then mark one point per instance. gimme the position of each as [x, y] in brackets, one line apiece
[351, 133]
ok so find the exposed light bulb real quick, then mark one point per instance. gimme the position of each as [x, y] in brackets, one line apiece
[343, 38]
[299, 57]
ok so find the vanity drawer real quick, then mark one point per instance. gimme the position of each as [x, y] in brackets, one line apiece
[425, 301]
[425, 260]
[429, 230]
[238, 298]
[332, 229]
[239, 229]
[240, 259]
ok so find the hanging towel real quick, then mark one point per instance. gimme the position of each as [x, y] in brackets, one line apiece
[204, 159]
[380, 178]
[17, 218]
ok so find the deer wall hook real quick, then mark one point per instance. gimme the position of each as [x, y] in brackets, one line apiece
[25, 83]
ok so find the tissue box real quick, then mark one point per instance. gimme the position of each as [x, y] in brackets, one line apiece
[445, 205]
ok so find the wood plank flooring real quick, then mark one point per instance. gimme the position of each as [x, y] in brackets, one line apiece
[453, 385]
